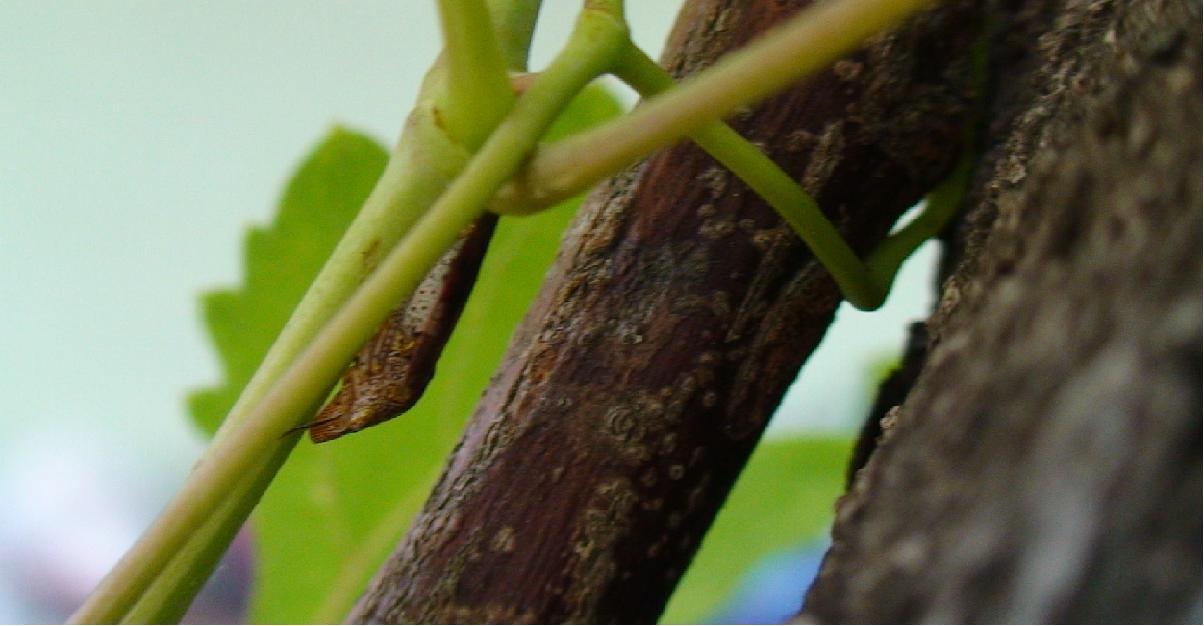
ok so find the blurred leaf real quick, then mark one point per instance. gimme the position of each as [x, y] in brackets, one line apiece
[784, 497]
[878, 368]
[336, 510]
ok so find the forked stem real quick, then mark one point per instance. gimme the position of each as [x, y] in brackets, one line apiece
[804, 44]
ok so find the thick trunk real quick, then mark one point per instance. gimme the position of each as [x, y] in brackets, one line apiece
[1046, 466]
[678, 312]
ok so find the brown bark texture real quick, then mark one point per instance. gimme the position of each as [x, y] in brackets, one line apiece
[679, 310]
[1046, 465]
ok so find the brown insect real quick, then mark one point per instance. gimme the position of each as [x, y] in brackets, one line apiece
[392, 369]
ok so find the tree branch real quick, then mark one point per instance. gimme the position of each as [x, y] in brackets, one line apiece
[678, 312]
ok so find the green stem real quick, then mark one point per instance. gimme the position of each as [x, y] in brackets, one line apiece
[478, 85]
[418, 171]
[864, 284]
[775, 186]
[691, 108]
[806, 43]
[254, 437]
[939, 207]
[514, 24]
[944, 200]
[168, 597]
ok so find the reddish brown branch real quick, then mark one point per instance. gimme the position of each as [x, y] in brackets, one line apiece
[679, 310]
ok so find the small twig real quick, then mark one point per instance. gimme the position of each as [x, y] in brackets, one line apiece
[804, 44]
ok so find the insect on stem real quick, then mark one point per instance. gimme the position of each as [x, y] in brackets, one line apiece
[392, 369]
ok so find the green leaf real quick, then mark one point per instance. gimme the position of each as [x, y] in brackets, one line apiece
[281, 260]
[785, 496]
[336, 510]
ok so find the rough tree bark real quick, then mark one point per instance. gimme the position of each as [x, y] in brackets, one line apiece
[1046, 466]
[679, 310]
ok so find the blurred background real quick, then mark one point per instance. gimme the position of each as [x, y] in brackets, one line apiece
[138, 141]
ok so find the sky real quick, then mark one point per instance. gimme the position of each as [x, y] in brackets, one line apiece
[138, 140]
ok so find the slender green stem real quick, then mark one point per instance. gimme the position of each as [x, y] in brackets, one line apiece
[419, 167]
[417, 172]
[864, 284]
[592, 50]
[167, 599]
[693, 108]
[514, 23]
[804, 44]
[478, 85]
[769, 181]
[944, 200]
[172, 591]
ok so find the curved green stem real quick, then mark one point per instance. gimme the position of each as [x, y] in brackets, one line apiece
[691, 108]
[864, 284]
[804, 44]
[939, 208]
[944, 200]
[775, 186]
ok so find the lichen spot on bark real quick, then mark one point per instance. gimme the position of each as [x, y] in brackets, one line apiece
[654, 504]
[668, 443]
[605, 521]
[715, 180]
[716, 229]
[504, 540]
[848, 70]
